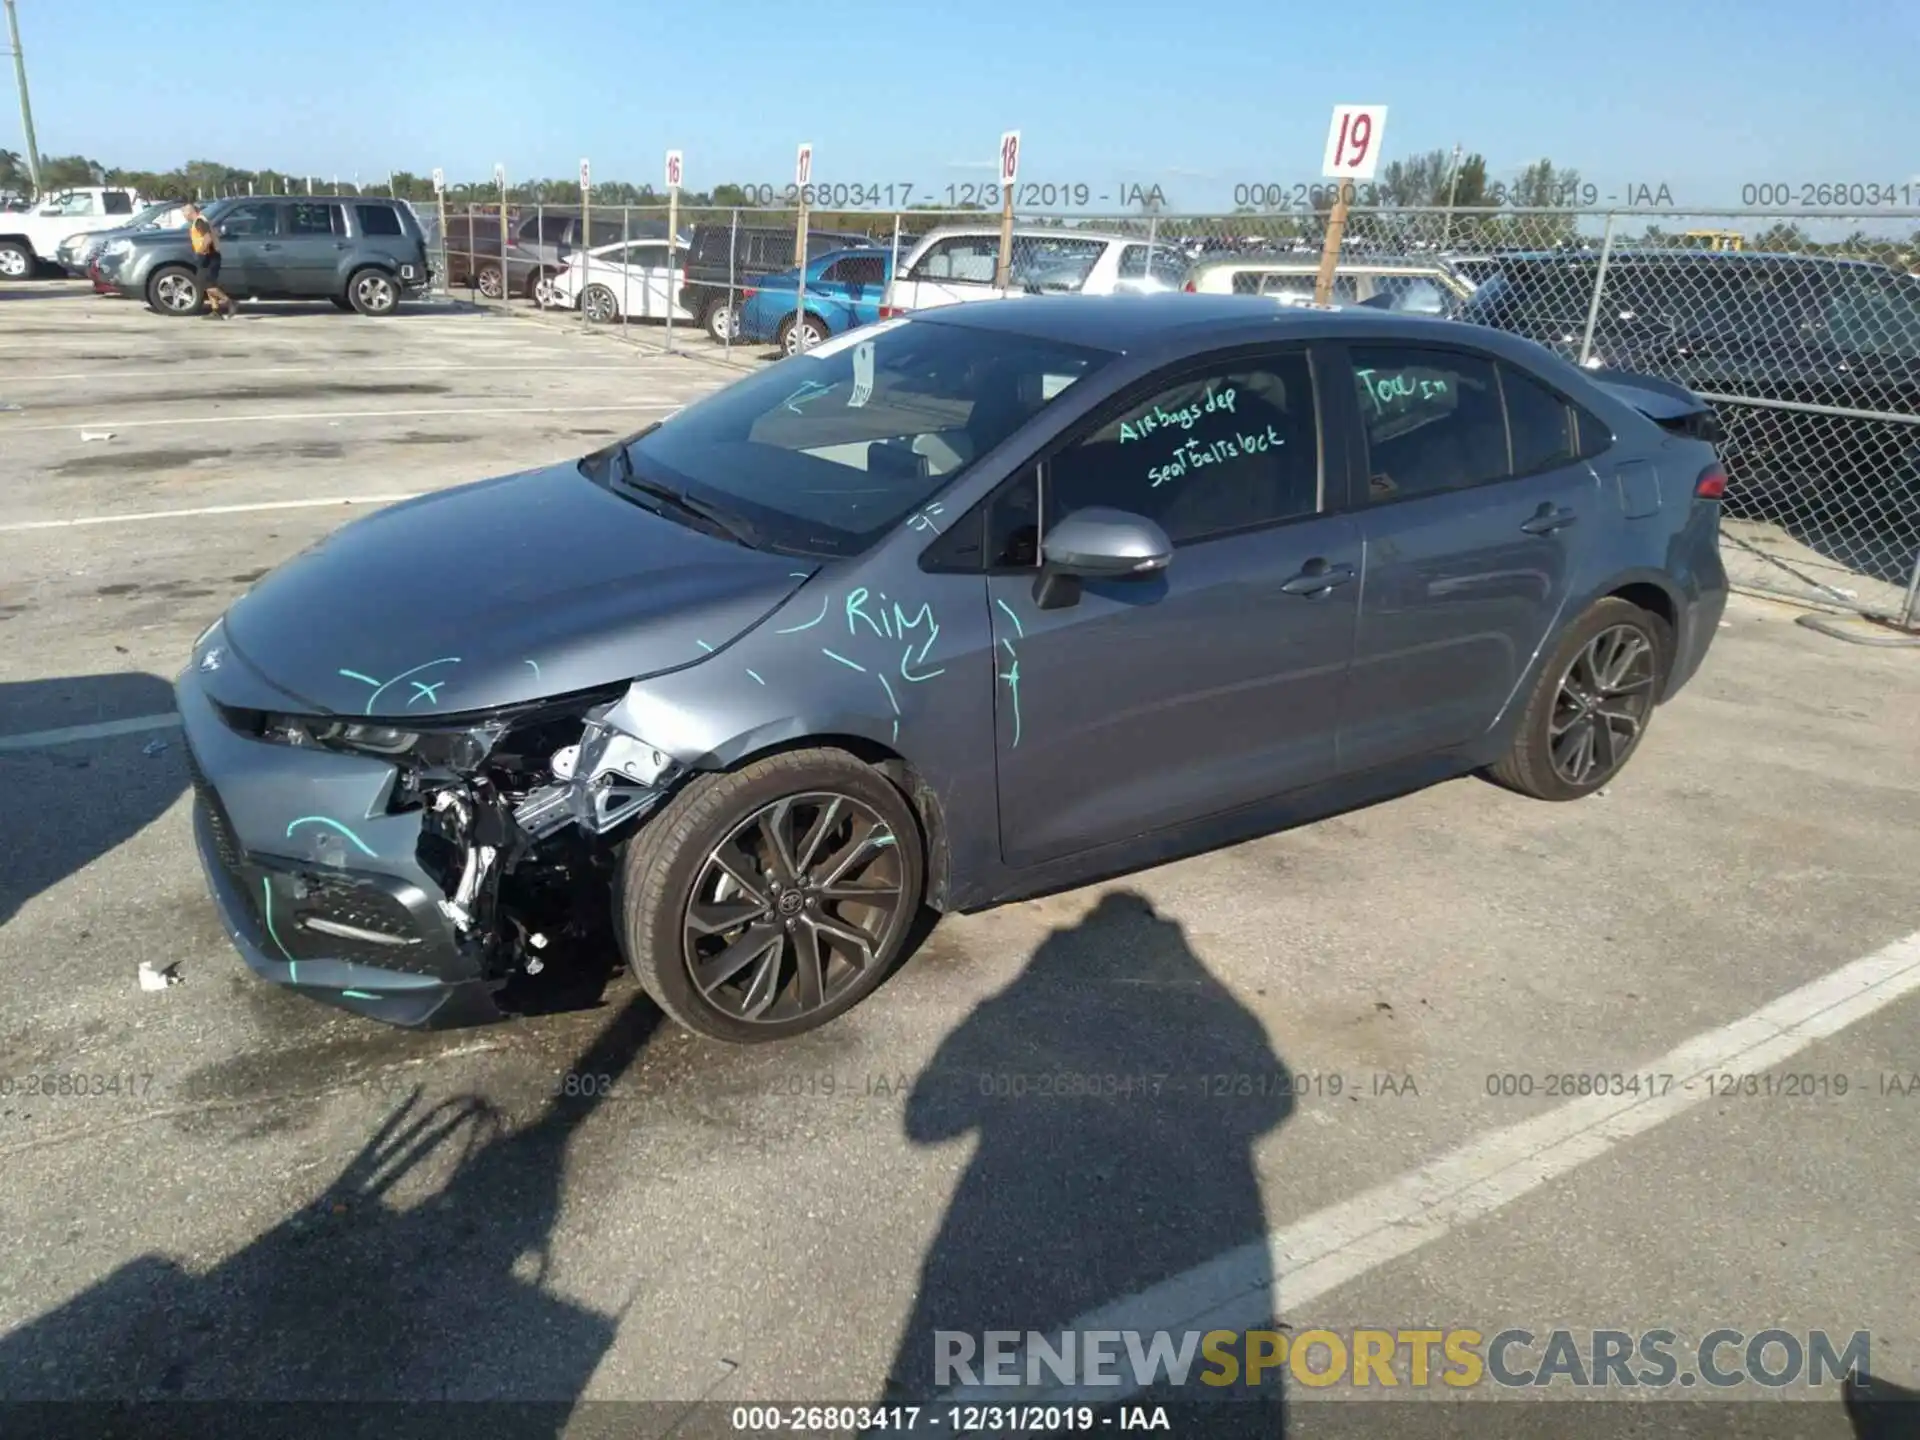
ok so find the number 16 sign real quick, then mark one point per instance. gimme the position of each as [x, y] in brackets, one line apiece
[1353, 141]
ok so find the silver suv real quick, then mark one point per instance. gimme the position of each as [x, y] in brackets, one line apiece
[360, 252]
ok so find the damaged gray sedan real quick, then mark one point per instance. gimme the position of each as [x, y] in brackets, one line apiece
[953, 609]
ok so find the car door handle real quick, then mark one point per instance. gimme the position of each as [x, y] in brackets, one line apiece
[1548, 519]
[1317, 577]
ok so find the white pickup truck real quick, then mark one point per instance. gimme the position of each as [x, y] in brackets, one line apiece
[30, 237]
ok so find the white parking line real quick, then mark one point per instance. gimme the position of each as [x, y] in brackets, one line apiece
[206, 510]
[40, 739]
[332, 415]
[1301, 1262]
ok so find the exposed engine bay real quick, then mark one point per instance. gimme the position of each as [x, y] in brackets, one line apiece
[520, 816]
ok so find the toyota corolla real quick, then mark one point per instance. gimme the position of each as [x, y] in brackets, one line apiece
[950, 610]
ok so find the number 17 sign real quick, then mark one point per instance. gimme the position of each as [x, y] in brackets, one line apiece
[1353, 141]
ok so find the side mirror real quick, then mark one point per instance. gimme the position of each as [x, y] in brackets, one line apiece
[1098, 544]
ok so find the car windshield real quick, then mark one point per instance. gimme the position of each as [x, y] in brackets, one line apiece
[824, 453]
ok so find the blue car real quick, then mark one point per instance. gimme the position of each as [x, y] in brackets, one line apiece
[845, 289]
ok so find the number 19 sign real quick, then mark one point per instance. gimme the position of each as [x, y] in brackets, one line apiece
[1353, 141]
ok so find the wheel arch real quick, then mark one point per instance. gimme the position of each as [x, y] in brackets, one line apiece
[899, 771]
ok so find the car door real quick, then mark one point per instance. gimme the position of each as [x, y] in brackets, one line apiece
[305, 259]
[863, 285]
[1474, 500]
[644, 278]
[1146, 703]
[249, 248]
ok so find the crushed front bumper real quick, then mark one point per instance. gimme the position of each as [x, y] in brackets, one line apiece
[319, 890]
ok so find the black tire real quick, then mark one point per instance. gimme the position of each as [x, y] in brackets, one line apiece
[175, 291]
[669, 855]
[16, 261]
[811, 331]
[373, 291]
[719, 321]
[340, 302]
[487, 281]
[600, 305]
[1533, 766]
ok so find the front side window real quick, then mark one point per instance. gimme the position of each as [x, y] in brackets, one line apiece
[1432, 418]
[1213, 452]
[862, 270]
[1152, 262]
[1047, 263]
[246, 220]
[77, 202]
[826, 452]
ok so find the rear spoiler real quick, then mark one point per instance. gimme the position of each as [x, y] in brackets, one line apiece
[1674, 408]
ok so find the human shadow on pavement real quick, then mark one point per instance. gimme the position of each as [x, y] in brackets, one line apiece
[69, 804]
[383, 1290]
[1879, 1410]
[1116, 1091]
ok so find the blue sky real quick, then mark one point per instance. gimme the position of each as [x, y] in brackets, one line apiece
[1701, 95]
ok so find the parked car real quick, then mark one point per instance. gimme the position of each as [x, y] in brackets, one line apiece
[31, 237]
[77, 253]
[632, 279]
[538, 243]
[1795, 330]
[960, 263]
[360, 252]
[979, 604]
[843, 290]
[724, 260]
[1408, 286]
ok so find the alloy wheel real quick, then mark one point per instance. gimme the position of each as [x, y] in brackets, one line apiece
[599, 304]
[13, 263]
[490, 284]
[798, 902]
[801, 337]
[375, 293]
[1602, 704]
[177, 293]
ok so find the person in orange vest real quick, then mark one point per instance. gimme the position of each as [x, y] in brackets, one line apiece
[206, 247]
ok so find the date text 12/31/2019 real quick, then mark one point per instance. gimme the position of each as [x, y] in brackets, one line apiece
[1573, 195]
[987, 195]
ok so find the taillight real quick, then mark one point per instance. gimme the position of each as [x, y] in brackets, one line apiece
[1189, 288]
[1712, 484]
[748, 294]
[891, 312]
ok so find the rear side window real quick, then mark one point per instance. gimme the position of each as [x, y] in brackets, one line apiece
[1539, 423]
[972, 258]
[377, 220]
[1433, 420]
[310, 217]
[1223, 450]
[119, 202]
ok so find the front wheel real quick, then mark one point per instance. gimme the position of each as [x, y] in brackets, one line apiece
[762, 903]
[174, 290]
[1590, 707]
[489, 283]
[16, 261]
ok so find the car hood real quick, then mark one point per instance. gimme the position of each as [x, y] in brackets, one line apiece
[497, 593]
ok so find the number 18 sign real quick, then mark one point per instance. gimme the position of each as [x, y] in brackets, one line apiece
[1353, 141]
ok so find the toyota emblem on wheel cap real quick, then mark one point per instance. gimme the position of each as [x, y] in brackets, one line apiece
[210, 660]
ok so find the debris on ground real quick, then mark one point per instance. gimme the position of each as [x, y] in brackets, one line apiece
[152, 979]
[96, 435]
[153, 747]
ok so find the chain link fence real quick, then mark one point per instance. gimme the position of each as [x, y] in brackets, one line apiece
[1801, 328]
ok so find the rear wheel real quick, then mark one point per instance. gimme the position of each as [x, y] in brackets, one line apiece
[373, 292]
[719, 321]
[1591, 705]
[174, 290]
[600, 306]
[540, 289]
[810, 332]
[764, 902]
